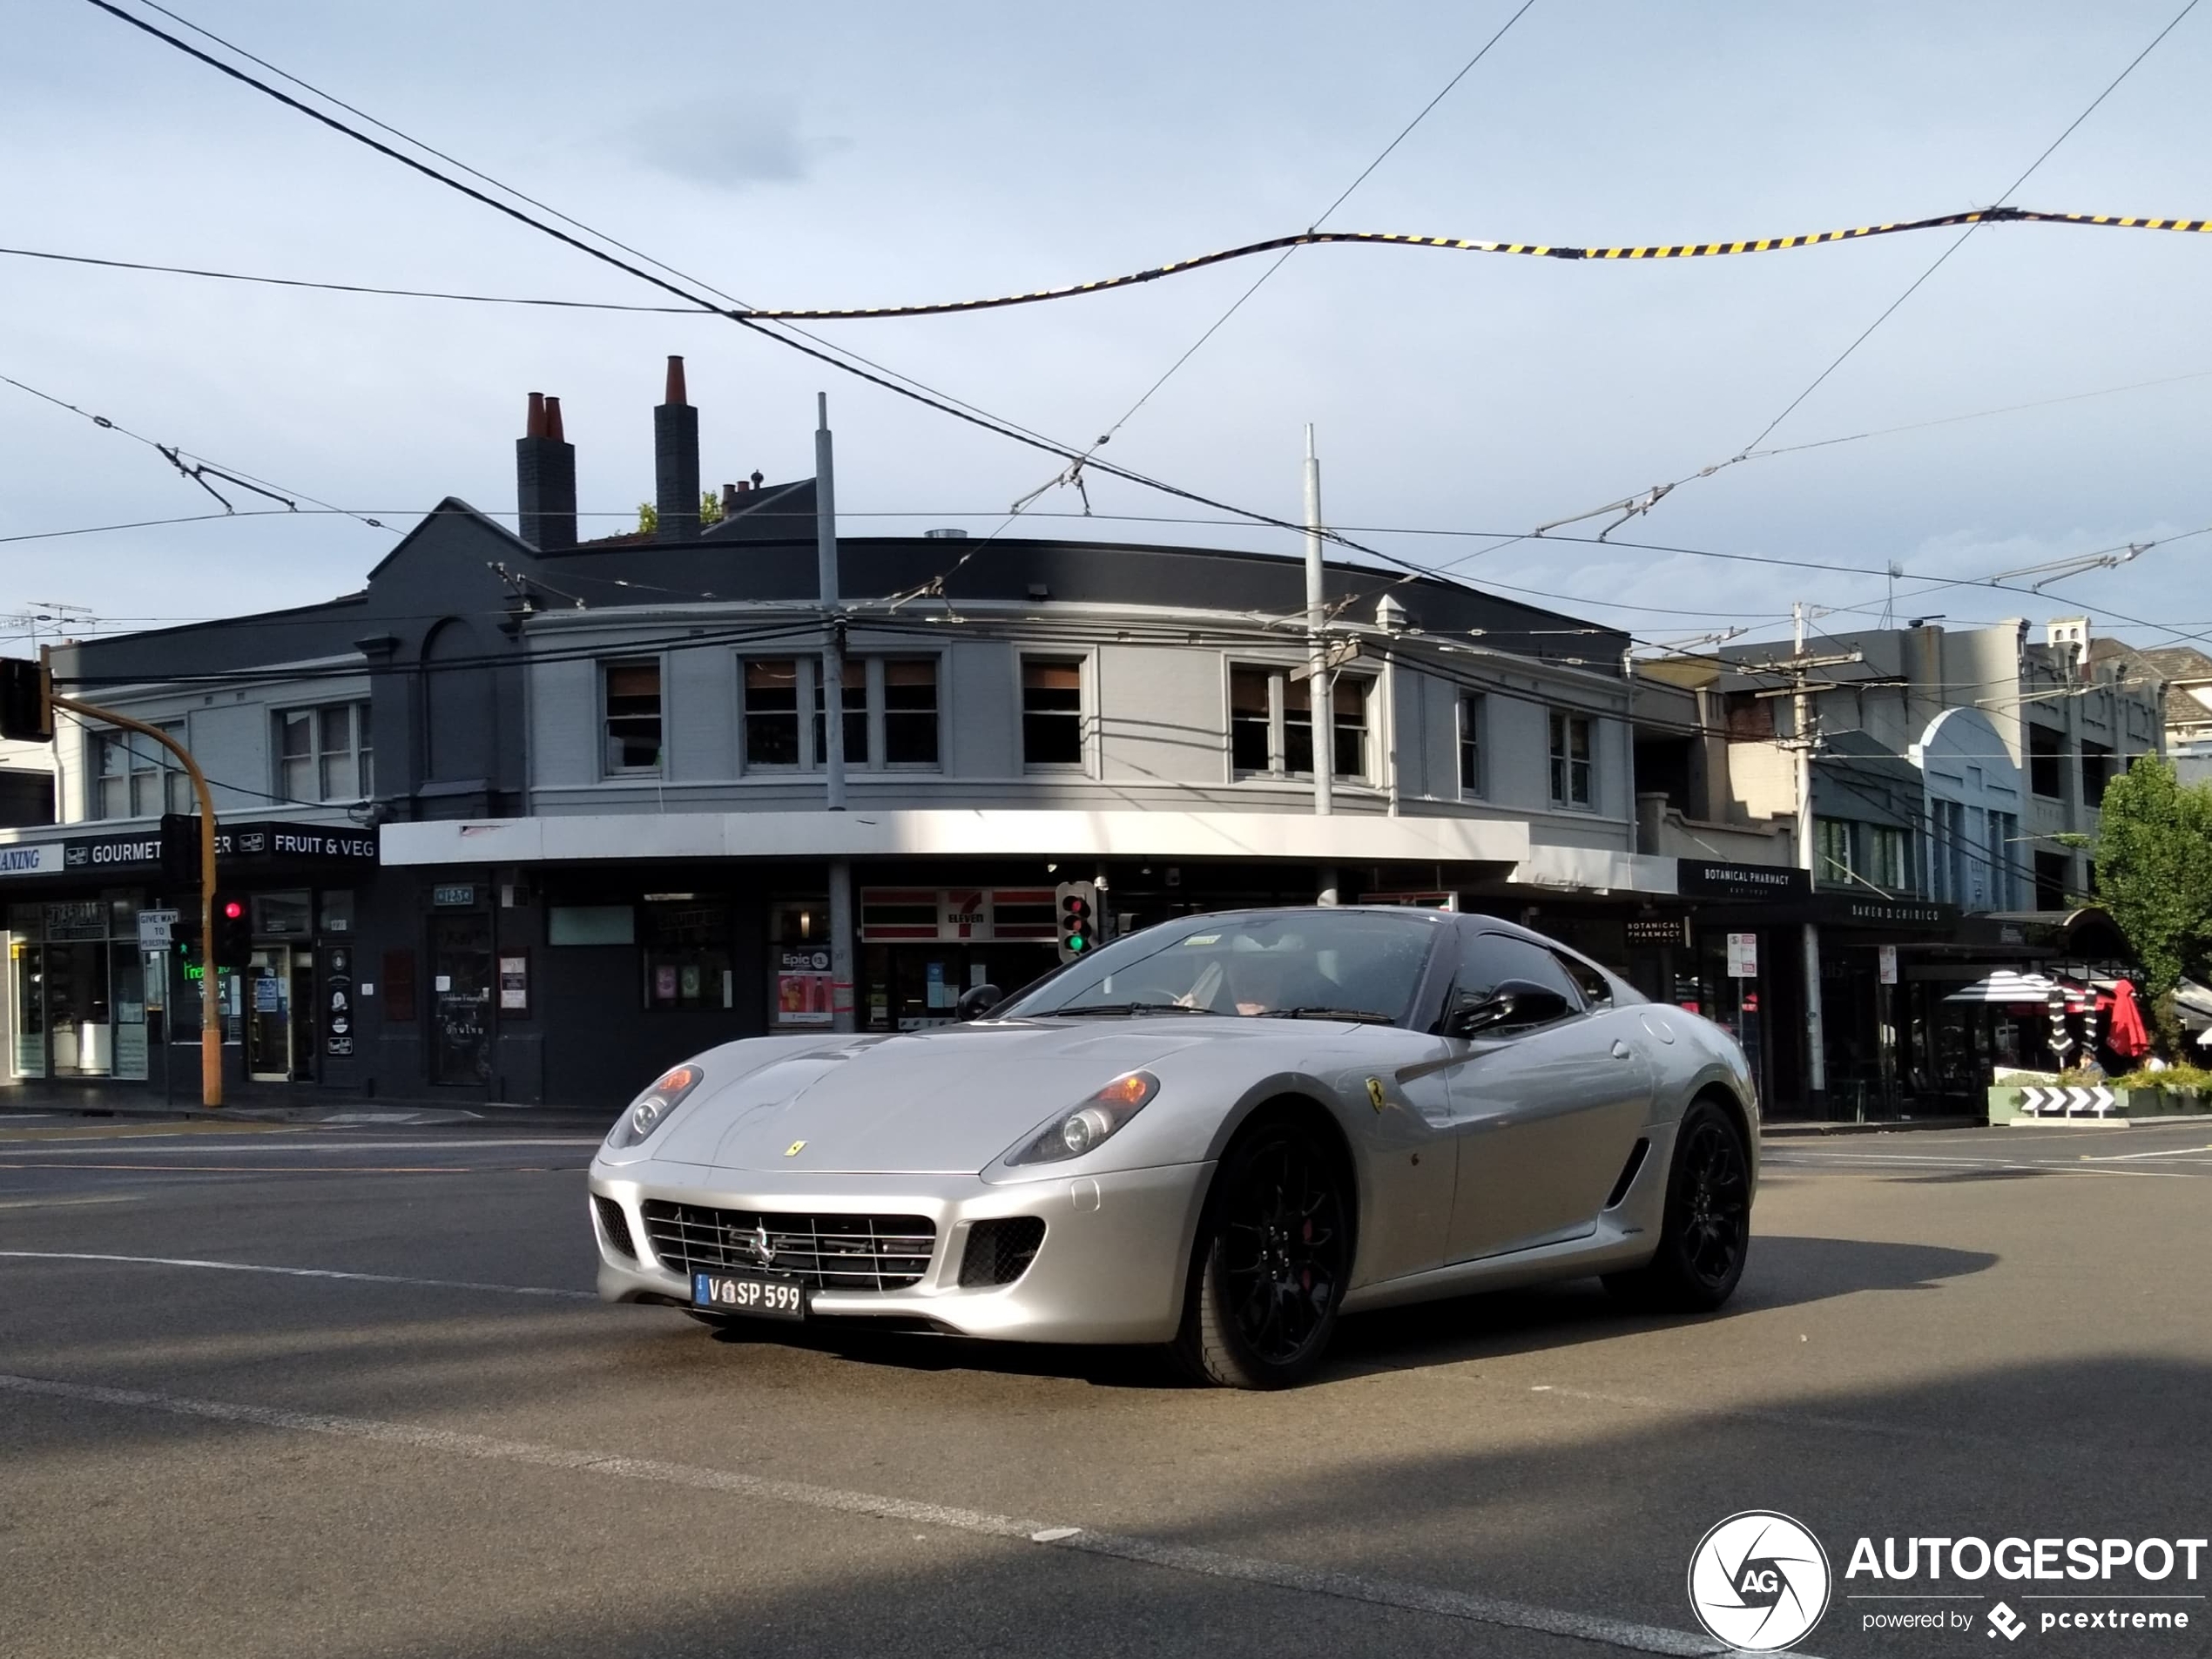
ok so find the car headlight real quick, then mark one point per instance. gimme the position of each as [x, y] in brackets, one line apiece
[650, 1109]
[1074, 1133]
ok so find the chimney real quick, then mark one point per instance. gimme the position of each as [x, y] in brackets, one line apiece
[675, 461]
[545, 478]
[730, 495]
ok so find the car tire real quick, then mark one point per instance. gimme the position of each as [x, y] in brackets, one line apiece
[1705, 1234]
[1270, 1264]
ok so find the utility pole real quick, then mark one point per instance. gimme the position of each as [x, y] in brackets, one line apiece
[1802, 741]
[833, 694]
[1320, 702]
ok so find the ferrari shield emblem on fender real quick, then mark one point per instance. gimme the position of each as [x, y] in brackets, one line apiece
[1375, 1093]
[794, 1148]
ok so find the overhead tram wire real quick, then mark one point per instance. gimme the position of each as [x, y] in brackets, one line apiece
[885, 380]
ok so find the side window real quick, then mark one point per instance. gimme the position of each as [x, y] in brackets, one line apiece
[1486, 960]
[1596, 991]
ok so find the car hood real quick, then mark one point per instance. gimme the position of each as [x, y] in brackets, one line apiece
[947, 1101]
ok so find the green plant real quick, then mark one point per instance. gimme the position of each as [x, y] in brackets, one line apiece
[2181, 1077]
[2155, 874]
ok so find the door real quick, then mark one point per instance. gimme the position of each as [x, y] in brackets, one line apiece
[1545, 1115]
[460, 979]
[268, 1015]
[28, 959]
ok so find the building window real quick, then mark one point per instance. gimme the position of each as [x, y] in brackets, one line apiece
[324, 754]
[855, 702]
[2004, 835]
[2096, 772]
[2047, 762]
[1571, 783]
[909, 711]
[1888, 858]
[1471, 712]
[1831, 850]
[895, 696]
[1270, 725]
[633, 717]
[2053, 873]
[1251, 724]
[686, 939]
[134, 777]
[1052, 712]
[771, 712]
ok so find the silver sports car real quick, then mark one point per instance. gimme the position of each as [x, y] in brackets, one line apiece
[1218, 1134]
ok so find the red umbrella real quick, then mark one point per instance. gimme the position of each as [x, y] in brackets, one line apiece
[2128, 1038]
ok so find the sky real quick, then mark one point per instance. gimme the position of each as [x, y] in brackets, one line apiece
[870, 154]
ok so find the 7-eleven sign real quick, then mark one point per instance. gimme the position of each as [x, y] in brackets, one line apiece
[964, 913]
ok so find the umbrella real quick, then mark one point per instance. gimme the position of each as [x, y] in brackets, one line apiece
[2007, 986]
[2128, 1039]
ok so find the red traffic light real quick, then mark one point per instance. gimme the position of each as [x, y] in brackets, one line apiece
[232, 910]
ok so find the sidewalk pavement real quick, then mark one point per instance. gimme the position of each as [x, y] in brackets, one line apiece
[52, 1100]
[1798, 1129]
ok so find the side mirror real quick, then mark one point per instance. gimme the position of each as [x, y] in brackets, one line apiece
[1516, 1003]
[977, 1001]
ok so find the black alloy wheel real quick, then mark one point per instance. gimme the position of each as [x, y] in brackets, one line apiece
[1706, 1234]
[1273, 1255]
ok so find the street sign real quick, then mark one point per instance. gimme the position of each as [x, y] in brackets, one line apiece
[154, 927]
[1744, 956]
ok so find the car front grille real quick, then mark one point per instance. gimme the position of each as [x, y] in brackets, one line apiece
[824, 1252]
[616, 1224]
[1000, 1252]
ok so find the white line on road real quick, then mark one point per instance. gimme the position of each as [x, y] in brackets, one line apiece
[1351, 1587]
[207, 1145]
[69, 1204]
[296, 1272]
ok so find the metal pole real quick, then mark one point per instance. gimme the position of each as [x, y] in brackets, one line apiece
[211, 1017]
[841, 927]
[833, 687]
[1801, 735]
[1317, 618]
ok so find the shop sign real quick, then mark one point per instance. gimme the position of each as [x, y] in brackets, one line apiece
[976, 914]
[92, 854]
[38, 859]
[1744, 956]
[338, 991]
[1879, 912]
[515, 984]
[803, 987]
[1704, 879]
[456, 896]
[1659, 930]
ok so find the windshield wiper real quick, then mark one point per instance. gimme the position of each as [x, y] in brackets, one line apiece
[1118, 1009]
[1365, 1016]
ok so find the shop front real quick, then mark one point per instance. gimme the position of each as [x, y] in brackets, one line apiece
[103, 969]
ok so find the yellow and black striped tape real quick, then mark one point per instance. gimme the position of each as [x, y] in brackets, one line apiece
[1675, 251]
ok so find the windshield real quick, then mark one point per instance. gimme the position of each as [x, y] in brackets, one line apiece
[1316, 962]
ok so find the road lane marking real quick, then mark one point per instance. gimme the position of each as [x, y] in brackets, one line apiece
[69, 1204]
[294, 1273]
[293, 1148]
[1900, 1162]
[1182, 1558]
[267, 1169]
[140, 1131]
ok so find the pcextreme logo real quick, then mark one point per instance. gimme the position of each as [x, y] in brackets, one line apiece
[1758, 1581]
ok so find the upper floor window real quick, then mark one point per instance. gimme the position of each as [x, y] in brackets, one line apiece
[1888, 857]
[2097, 770]
[324, 753]
[1572, 781]
[2047, 761]
[1831, 840]
[1270, 724]
[889, 708]
[1052, 712]
[135, 777]
[633, 717]
[1471, 712]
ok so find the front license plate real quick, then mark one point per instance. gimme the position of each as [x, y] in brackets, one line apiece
[769, 1298]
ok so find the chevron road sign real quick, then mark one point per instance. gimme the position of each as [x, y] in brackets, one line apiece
[2043, 1101]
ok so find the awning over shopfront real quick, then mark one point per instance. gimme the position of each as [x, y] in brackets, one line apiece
[2008, 988]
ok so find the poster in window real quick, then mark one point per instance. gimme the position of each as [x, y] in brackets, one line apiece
[802, 987]
[665, 983]
[514, 984]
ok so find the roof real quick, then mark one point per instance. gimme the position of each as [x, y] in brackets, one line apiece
[2167, 663]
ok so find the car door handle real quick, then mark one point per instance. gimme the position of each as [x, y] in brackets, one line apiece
[1621, 1050]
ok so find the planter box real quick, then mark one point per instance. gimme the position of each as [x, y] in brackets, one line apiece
[2054, 1103]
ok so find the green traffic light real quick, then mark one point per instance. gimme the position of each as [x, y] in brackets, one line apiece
[1076, 941]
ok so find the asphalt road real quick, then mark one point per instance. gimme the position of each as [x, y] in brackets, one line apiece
[410, 1430]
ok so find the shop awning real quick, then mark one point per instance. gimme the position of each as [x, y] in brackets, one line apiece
[2009, 986]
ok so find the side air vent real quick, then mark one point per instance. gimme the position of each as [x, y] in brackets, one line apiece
[1000, 1252]
[1628, 1172]
[615, 1224]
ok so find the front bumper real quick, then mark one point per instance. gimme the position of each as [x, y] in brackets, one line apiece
[1112, 1267]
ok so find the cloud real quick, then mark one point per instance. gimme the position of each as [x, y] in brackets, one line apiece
[726, 143]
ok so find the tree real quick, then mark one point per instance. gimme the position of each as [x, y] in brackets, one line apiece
[2154, 872]
[710, 513]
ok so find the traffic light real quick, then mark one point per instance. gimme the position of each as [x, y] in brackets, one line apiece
[26, 700]
[179, 850]
[1077, 906]
[233, 933]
